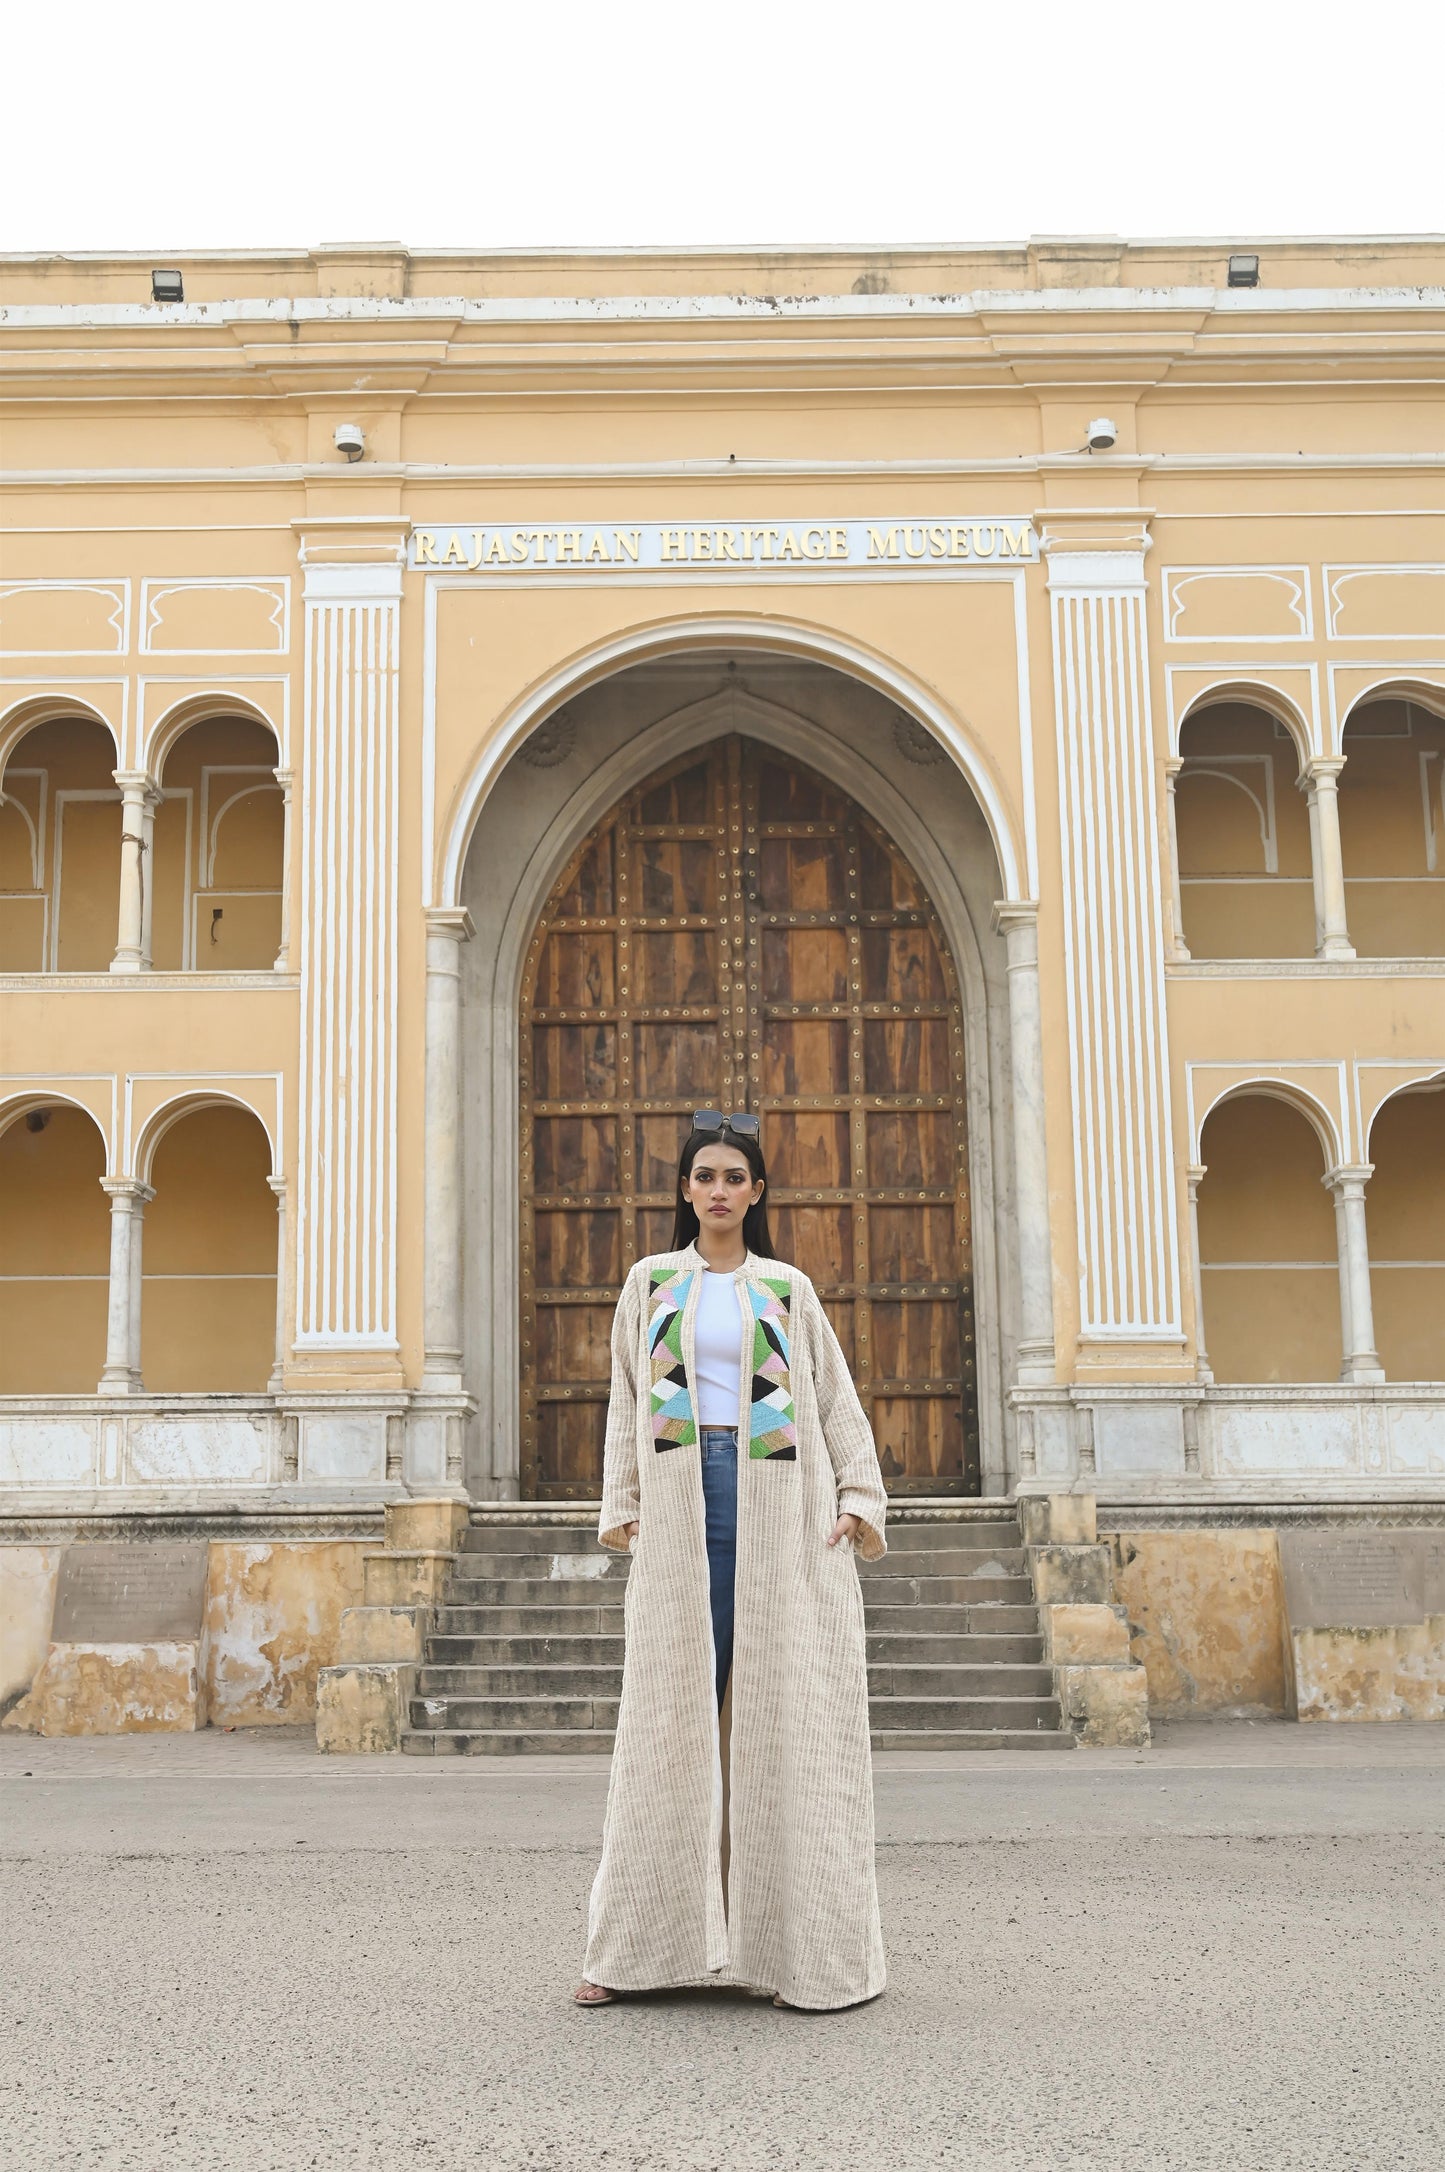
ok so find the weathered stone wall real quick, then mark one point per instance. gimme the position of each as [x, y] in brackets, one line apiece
[273, 1612]
[1371, 1674]
[27, 1602]
[1206, 1618]
[272, 1618]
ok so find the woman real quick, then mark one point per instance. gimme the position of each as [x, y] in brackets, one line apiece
[738, 1843]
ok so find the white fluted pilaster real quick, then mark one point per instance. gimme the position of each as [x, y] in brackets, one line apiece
[1195, 1175]
[447, 929]
[1114, 951]
[283, 948]
[1019, 923]
[346, 1175]
[1178, 948]
[278, 1365]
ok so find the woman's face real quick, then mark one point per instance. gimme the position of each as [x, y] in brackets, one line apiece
[720, 1188]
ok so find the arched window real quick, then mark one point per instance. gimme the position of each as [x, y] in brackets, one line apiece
[54, 1252]
[219, 842]
[208, 1292]
[1392, 830]
[1268, 1252]
[1244, 839]
[1405, 1216]
[60, 850]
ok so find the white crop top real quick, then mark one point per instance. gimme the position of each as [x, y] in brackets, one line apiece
[718, 1334]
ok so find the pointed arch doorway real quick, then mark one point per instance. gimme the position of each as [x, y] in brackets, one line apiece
[738, 932]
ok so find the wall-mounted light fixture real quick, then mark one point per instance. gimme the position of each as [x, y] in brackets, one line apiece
[1244, 271]
[167, 286]
[1102, 434]
[350, 440]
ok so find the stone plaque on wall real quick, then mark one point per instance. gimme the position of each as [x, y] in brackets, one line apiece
[1362, 1579]
[113, 1593]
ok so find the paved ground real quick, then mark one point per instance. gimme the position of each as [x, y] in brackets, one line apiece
[225, 1954]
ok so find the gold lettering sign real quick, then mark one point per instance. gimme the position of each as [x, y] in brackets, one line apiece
[791, 550]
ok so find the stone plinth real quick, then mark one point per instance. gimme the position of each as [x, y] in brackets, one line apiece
[115, 1689]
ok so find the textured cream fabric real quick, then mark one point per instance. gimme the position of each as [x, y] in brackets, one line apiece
[802, 1906]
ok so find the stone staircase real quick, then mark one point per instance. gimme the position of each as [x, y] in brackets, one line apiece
[524, 1651]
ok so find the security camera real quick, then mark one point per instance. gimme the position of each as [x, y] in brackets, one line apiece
[349, 440]
[1101, 434]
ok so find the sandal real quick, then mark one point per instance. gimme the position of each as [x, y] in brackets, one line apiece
[601, 1996]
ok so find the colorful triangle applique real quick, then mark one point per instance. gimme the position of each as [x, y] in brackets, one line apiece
[673, 1422]
[772, 1431]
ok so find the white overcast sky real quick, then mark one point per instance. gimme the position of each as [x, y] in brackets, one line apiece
[505, 123]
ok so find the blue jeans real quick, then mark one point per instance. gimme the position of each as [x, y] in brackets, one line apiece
[720, 1511]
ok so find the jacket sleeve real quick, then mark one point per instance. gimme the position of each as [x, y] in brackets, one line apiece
[847, 1434]
[620, 1499]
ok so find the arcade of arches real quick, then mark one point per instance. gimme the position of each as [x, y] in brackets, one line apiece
[1277, 1239]
[1339, 856]
[198, 1312]
[104, 871]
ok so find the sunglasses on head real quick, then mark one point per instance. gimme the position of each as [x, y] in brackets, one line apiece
[714, 1120]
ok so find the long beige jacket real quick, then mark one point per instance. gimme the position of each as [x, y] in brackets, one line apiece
[800, 1914]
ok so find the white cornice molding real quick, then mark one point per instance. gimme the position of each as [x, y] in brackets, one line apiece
[752, 471]
[1249, 302]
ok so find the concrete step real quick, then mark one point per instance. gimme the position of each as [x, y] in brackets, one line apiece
[959, 1681]
[506, 1742]
[558, 1591]
[564, 1567]
[526, 1656]
[532, 1621]
[952, 1561]
[980, 1590]
[540, 1714]
[532, 1538]
[988, 1618]
[972, 1738]
[905, 1538]
[528, 1715]
[570, 1682]
[892, 1591]
[525, 1651]
[933, 1715]
[960, 1651]
[566, 1683]
[578, 1564]
[575, 1742]
[517, 1650]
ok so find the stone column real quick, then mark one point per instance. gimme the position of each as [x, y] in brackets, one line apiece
[1178, 948]
[1320, 782]
[277, 1380]
[1128, 1218]
[1019, 923]
[139, 798]
[447, 928]
[283, 953]
[1194, 1176]
[128, 1201]
[1357, 1309]
[346, 1177]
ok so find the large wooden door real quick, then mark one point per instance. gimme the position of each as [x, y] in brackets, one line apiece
[737, 933]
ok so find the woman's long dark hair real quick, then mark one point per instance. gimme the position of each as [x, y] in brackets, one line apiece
[756, 1235]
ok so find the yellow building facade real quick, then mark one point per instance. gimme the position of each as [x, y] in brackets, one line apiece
[984, 711]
